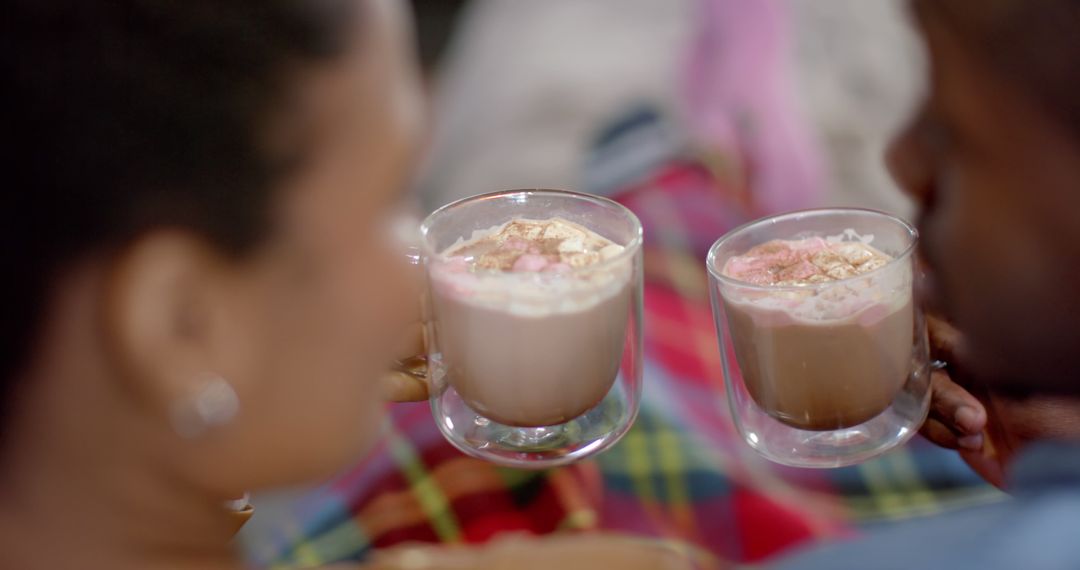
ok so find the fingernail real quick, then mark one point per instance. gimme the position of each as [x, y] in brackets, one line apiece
[968, 418]
[972, 442]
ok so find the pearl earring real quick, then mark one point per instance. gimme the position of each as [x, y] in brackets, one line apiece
[213, 404]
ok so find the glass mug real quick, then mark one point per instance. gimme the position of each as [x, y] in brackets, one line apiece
[532, 369]
[828, 374]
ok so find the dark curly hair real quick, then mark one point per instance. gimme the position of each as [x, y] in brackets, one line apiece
[126, 115]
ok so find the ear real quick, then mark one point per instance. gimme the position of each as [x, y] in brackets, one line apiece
[169, 317]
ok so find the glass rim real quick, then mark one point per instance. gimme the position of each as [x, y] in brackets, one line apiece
[717, 272]
[630, 249]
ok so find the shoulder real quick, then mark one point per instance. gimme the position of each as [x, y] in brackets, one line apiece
[1037, 532]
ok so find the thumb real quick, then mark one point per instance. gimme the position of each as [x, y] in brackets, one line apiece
[407, 382]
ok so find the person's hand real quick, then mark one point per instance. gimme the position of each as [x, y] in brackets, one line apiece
[987, 428]
[957, 418]
[566, 552]
[407, 380]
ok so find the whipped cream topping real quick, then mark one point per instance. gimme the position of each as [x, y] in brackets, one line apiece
[804, 262]
[534, 245]
[813, 263]
[532, 267]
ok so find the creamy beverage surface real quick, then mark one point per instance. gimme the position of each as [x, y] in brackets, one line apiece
[530, 318]
[804, 262]
[831, 346]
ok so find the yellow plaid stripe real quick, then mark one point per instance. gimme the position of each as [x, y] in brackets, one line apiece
[432, 500]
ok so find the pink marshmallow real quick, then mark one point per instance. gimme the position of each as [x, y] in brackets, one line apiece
[530, 262]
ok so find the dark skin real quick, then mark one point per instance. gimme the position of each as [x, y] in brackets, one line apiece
[995, 175]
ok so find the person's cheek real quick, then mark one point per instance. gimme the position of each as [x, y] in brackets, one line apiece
[379, 312]
[354, 400]
[381, 320]
[399, 299]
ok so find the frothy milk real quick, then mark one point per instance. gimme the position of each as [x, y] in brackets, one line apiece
[831, 346]
[531, 318]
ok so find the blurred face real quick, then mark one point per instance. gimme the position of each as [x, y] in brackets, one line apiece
[319, 310]
[997, 179]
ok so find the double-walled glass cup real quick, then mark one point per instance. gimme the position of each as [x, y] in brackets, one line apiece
[533, 369]
[826, 374]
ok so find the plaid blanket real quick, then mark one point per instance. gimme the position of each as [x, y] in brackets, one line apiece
[682, 473]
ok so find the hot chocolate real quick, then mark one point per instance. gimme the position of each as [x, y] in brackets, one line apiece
[530, 318]
[824, 340]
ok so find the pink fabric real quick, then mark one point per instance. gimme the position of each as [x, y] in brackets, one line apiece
[739, 102]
